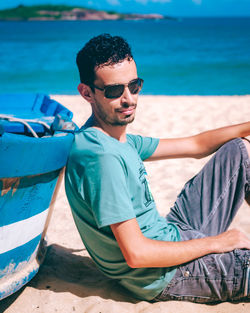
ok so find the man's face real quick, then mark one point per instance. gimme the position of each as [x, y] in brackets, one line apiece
[119, 111]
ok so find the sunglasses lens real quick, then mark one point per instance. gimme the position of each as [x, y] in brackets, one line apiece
[135, 86]
[113, 92]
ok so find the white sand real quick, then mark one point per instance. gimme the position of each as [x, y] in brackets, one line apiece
[68, 281]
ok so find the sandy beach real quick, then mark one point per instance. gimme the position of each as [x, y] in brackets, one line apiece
[68, 280]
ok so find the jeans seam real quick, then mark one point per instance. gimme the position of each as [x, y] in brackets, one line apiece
[246, 163]
[219, 200]
[218, 259]
[246, 157]
[204, 266]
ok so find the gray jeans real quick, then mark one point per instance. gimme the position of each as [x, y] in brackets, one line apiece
[205, 207]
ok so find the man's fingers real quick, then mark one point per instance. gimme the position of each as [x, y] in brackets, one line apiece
[232, 239]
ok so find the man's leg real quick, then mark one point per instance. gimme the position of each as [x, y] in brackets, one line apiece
[247, 144]
[205, 207]
[209, 201]
[210, 279]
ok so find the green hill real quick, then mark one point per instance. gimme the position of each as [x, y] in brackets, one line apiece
[65, 12]
[37, 11]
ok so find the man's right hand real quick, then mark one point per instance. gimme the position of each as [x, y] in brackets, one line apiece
[230, 240]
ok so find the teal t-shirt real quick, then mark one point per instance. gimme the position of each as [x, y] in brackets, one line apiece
[105, 184]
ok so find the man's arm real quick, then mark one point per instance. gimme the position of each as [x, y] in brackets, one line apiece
[200, 145]
[140, 251]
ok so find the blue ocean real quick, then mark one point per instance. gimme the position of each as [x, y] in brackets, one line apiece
[190, 56]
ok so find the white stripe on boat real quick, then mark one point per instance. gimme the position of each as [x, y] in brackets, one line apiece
[17, 234]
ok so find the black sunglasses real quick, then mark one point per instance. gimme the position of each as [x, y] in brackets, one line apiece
[115, 91]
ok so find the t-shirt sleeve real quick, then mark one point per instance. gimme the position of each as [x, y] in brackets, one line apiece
[106, 190]
[145, 146]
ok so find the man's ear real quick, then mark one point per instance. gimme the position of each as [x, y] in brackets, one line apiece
[85, 92]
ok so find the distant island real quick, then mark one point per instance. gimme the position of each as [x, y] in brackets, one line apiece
[68, 13]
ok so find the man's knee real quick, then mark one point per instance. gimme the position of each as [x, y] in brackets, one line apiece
[231, 150]
[247, 144]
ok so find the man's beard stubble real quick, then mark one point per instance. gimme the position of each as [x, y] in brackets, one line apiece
[116, 121]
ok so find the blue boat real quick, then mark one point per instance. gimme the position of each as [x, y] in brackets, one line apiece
[35, 139]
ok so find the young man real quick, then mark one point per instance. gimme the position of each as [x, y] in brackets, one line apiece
[190, 254]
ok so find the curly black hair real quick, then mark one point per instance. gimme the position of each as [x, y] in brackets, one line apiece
[100, 51]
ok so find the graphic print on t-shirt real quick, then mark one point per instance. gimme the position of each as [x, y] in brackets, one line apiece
[143, 178]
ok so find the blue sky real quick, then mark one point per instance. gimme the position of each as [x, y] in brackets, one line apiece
[165, 7]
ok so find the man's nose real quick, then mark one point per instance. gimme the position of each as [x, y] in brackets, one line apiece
[127, 96]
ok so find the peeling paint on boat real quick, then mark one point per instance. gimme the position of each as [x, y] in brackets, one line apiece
[8, 184]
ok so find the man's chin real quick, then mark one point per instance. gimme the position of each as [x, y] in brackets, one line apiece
[129, 119]
[123, 121]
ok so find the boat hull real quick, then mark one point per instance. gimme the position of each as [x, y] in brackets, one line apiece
[31, 170]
